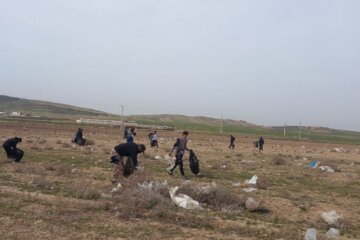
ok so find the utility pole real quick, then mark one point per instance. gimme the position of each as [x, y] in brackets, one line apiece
[221, 124]
[300, 131]
[122, 113]
[284, 129]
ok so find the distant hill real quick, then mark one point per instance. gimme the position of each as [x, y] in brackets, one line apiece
[37, 107]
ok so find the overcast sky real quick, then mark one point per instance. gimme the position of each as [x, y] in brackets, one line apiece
[266, 62]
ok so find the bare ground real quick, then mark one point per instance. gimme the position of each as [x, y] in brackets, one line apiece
[60, 191]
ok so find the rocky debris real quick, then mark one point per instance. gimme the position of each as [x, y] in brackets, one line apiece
[251, 204]
[310, 234]
[333, 234]
[331, 217]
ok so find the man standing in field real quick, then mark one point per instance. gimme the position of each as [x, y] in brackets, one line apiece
[154, 140]
[232, 142]
[181, 147]
[261, 143]
[11, 149]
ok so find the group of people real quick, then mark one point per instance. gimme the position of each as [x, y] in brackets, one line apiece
[257, 144]
[130, 150]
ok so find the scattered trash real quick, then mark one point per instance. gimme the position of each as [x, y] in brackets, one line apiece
[74, 170]
[331, 217]
[333, 234]
[249, 189]
[310, 234]
[327, 169]
[251, 204]
[253, 180]
[157, 158]
[305, 159]
[153, 185]
[223, 166]
[313, 164]
[184, 201]
[117, 188]
[238, 184]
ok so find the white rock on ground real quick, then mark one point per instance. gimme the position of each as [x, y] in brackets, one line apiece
[310, 234]
[333, 234]
[331, 217]
[252, 204]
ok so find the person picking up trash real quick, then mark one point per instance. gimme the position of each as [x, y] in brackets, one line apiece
[180, 146]
[261, 143]
[130, 150]
[232, 142]
[11, 149]
[79, 139]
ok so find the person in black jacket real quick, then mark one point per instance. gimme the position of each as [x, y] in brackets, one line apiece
[11, 149]
[79, 139]
[130, 150]
[261, 143]
[232, 142]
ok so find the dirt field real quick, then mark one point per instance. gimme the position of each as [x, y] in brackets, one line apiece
[60, 191]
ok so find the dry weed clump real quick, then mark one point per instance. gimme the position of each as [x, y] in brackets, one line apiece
[35, 147]
[84, 190]
[43, 183]
[89, 142]
[66, 145]
[138, 202]
[279, 160]
[216, 198]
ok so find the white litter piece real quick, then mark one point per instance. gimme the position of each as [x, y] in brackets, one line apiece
[333, 234]
[253, 180]
[238, 184]
[223, 166]
[331, 217]
[74, 170]
[305, 159]
[157, 158]
[326, 169]
[251, 189]
[153, 185]
[184, 201]
[252, 204]
[117, 188]
[310, 234]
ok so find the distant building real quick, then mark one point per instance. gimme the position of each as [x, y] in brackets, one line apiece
[15, 114]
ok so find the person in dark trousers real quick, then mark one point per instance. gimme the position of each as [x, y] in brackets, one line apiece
[154, 140]
[232, 142]
[261, 143]
[180, 146]
[130, 150]
[11, 149]
[79, 139]
[131, 135]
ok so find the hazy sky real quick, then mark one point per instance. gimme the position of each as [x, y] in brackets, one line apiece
[266, 62]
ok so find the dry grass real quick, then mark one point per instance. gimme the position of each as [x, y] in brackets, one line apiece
[89, 142]
[279, 160]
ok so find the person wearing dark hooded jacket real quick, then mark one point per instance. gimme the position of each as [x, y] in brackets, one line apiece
[232, 142]
[261, 143]
[11, 149]
[79, 139]
[180, 146]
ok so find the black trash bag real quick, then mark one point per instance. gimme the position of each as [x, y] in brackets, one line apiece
[128, 167]
[18, 154]
[115, 159]
[194, 163]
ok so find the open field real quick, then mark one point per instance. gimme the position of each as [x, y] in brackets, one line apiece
[60, 191]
